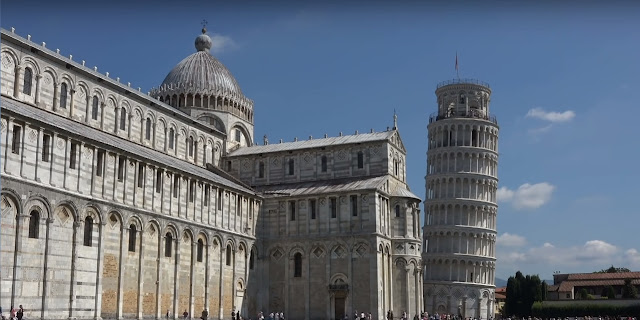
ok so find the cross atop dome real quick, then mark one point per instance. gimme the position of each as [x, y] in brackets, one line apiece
[203, 41]
[204, 26]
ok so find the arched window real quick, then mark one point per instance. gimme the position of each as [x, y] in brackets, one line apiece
[297, 265]
[132, 238]
[462, 99]
[238, 135]
[63, 95]
[324, 163]
[94, 108]
[251, 261]
[171, 137]
[290, 167]
[147, 134]
[123, 118]
[190, 143]
[88, 231]
[28, 79]
[360, 160]
[168, 243]
[398, 214]
[261, 169]
[228, 255]
[200, 250]
[34, 225]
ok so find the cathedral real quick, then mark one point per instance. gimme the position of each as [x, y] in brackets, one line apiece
[119, 204]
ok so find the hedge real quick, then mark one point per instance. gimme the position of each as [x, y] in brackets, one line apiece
[542, 310]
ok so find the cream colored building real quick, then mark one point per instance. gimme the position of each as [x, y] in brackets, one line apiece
[120, 204]
[460, 203]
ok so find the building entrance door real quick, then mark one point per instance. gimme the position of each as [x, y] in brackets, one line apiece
[339, 306]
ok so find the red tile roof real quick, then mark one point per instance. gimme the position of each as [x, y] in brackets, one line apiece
[566, 286]
[600, 276]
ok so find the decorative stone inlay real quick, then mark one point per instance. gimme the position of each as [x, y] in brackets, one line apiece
[275, 161]
[442, 293]
[60, 143]
[47, 79]
[361, 251]
[63, 215]
[342, 155]
[318, 252]
[365, 198]
[87, 153]
[4, 125]
[277, 254]
[306, 158]
[81, 94]
[457, 293]
[152, 230]
[322, 201]
[245, 165]
[33, 135]
[7, 62]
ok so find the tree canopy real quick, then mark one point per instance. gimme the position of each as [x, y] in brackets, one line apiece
[522, 292]
[613, 269]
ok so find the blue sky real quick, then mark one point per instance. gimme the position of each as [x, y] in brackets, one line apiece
[564, 80]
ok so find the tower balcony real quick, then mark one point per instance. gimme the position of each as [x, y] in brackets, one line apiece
[471, 114]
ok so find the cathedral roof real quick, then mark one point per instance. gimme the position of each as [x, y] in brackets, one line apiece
[201, 72]
[314, 143]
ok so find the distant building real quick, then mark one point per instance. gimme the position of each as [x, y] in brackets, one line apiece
[568, 286]
[499, 300]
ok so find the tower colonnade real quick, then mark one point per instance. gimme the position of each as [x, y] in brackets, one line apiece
[461, 202]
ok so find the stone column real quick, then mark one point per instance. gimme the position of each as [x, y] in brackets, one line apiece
[23, 144]
[116, 116]
[140, 273]
[207, 281]
[71, 103]
[21, 217]
[192, 278]
[223, 250]
[102, 106]
[56, 96]
[37, 95]
[77, 225]
[161, 241]
[87, 108]
[98, 294]
[45, 283]
[176, 283]
[18, 77]
[121, 274]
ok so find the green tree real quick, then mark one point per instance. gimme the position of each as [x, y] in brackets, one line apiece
[583, 294]
[608, 292]
[629, 291]
[522, 292]
[613, 269]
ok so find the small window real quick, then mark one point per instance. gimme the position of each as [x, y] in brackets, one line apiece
[238, 134]
[398, 215]
[46, 147]
[159, 180]
[122, 162]
[462, 98]
[354, 206]
[261, 169]
[206, 196]
[190, 143]
[228, 260]
[251, 260]
[238, 205]
[324, 163]
[333, 207]
[73, 154]
[176, 181]
[16, 139]
[192, 191]
[34, 224]
[141, 169]
[94, 109]
[292, 210]
[63, 95]
[220, 199]
[312, 208]
[100, 164]
[168, 244]
[360, 160]
[297, 265]
[396, 165]
[88, 231]
[123, 118]
[171, 137]
[229, 166]
[147, 134]
[132, 238]
[291, 167]
[200, 250]
[28, 80]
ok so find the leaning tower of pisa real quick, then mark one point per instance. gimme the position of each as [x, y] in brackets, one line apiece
[460, 206]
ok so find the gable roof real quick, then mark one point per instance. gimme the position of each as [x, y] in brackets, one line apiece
[322, 187]
[314, 143]
[603, 276]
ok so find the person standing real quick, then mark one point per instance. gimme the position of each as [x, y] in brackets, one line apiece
[185, 314]
[20, 313]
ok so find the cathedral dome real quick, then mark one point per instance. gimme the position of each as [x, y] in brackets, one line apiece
[202, 72]
[202, 81]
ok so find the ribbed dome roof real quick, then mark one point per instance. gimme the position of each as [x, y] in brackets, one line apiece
[201, 72]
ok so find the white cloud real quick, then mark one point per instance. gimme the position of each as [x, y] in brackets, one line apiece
[595, 253]
[221, 43]
[527, 196]
[551, 116]
[632, 257]
[540, 130]
[511, 240]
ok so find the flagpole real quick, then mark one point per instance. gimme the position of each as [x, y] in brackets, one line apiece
[457, 71]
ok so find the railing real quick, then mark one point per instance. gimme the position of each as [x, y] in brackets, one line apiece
[474, 114]
[463, 81]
